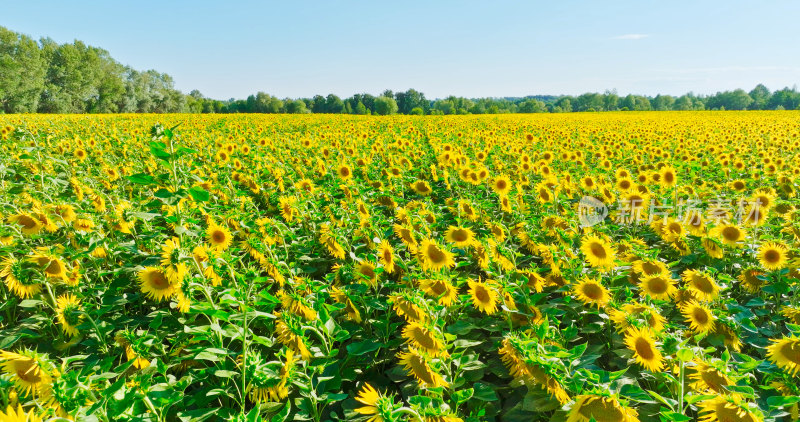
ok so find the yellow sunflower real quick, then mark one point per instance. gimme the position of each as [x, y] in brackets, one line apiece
[643, 346]
[376, 406]
[699, 317]
[19, 415]
[69, 314]
[433, 257]
[589, 407]
[173, 269]
[730, 234]
[421, 187]
[219, 237]
[386, 256]
[154, 284]
[701, 284]
[785, 353]
[501, 185]
[460, 236]
[591, 292]
[706, 377]
[344, 171]
[31, 373]
[49, 264]
[423, 338]
[658, 287]
[366, 272]
[417, 366]
[728, 408]
[20, 284]
[443, 290]
[483, 296]
[773, 256]
[598, 252]
[28, 225]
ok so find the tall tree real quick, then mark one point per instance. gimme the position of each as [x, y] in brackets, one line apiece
[22, 74]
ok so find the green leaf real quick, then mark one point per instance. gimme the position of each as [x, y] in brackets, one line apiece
[781, 401]
[222, 373]
[685, 355]
[462, 396]
[674, 416]
[484, 392]
[199, 194]
[363, 347]
[141, 179]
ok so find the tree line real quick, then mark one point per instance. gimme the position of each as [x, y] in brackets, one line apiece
[46, 77]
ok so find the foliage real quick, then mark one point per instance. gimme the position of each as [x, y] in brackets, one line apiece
[320, 267]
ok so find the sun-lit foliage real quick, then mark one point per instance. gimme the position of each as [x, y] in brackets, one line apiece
[610, 267]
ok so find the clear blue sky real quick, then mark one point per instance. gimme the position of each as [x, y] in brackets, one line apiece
[468, 48]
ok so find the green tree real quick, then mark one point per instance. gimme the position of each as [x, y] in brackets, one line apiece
[385, 105]
[760, 95]
[22, 73]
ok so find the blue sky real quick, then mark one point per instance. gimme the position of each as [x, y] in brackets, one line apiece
[467, 48]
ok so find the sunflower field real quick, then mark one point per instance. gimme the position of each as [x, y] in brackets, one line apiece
[583, 267]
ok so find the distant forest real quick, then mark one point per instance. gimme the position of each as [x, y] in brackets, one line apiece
[47, 77]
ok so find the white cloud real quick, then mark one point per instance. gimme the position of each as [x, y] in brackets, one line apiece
[631, 37]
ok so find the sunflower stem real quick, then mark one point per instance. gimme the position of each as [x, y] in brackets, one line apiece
[97, 331]
[680, 388]
[409, 411]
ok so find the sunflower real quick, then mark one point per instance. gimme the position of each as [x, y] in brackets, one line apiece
[501, 185]
[16, 280]
[386, 256]
[423, 338]
[598, 252]
[154, 284]
[772, 256]
[543, 193]
[728, 408]
[52, 267]
[417, 366]
[406, 235]
[647, 268]
[460, 236]
[785, 353]
[753, 279]
[658, 287]
[590, 407]
[405, 307]
[378, 407]
[366, 272]
[421, 187]
[701, 284]
[730, 234]
[66, 212]
[19, 415]
[219, 237]
[30, 372]
[643, 346]
[433, 257]
[69, 314]
[28, 225]
[591, 292]
[174, 270]
[344, 171]
[467, 210]
[637, 312]
[707, 377]
[699, 317]
[443, 290]
[712, 247]
[483, 296]
[287, 208]
[291, 337]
